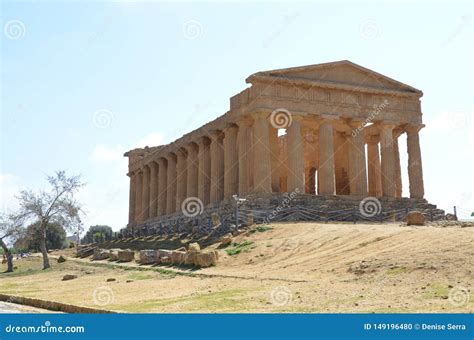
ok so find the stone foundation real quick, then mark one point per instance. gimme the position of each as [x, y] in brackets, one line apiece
[220, 218]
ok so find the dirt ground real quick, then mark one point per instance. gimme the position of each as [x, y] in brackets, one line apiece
[302, 267]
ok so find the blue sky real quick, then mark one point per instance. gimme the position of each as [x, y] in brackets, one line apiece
[82, 82]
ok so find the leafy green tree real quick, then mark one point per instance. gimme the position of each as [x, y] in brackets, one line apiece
[98, 233]
[31, 239]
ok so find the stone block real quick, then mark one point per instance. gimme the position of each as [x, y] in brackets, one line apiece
[126, 255]
[165, 260]
[148, 256]
[113, 256]
[189, 257]
[205, 259]
[178, 257]
[68, 277]
[415, 218]
[100, 254]
[85, 252]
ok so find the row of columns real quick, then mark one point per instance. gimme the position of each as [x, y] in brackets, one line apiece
[240, 159]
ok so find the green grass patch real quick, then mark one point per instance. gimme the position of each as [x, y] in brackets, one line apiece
[436, 291]
[165, 272]
[227, 300]
[261, 228]
[28, 266]
[237, 248]
[24, 272]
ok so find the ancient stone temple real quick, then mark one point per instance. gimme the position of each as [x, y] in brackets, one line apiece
[328, 130]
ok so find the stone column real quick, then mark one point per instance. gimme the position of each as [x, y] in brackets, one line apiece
[204, 176]
[274, 158]
[244, 153]
[375, 180]
[131, 200]
[153, 189]
[162, 186]
[398, 170]
[217, 167]
[341, 163]
[357, 161]
[262, 180]
[181, 178]
[146, 193]
[415, 169]
[326, 160]
[139, 196]
[192, 170]
[378, 175]
[387, 163]
[171, 187]
[231, 162]
[296, 180]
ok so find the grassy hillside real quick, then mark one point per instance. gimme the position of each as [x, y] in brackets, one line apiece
[303, 267]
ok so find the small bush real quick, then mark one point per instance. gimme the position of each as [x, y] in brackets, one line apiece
[262, 228]
[237, 248]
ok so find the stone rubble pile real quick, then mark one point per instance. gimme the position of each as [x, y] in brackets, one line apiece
[193, 256]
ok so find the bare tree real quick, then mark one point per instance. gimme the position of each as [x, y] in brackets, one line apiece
[57, 205]
[10, 228]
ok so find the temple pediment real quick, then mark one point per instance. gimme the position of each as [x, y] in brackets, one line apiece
[343, 74]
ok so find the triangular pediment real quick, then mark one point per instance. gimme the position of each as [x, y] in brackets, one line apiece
[344, 73]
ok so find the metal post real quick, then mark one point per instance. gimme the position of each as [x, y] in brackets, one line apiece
[455, 213]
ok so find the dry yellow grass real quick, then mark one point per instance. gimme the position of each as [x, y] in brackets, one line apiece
[303, 267]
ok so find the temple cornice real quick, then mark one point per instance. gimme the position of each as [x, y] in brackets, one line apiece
[305, 83]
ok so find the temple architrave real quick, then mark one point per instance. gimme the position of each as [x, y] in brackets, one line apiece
[327, 130]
